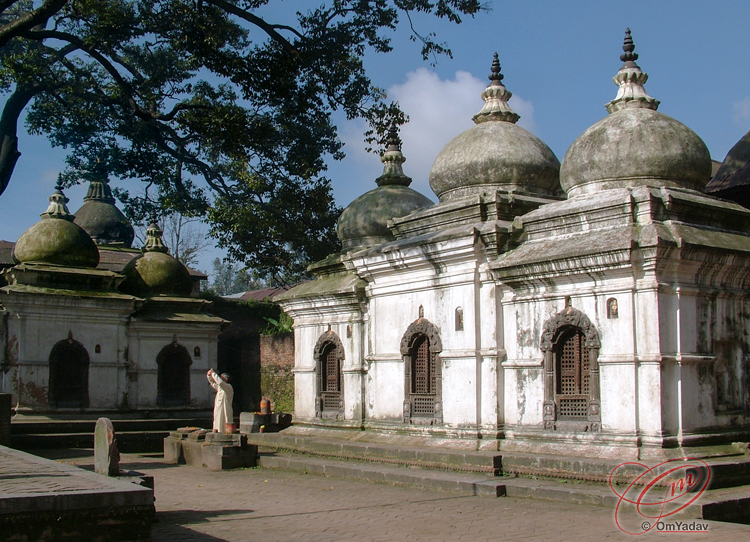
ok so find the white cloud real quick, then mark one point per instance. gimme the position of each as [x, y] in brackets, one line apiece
[438, 111]
[742, 111]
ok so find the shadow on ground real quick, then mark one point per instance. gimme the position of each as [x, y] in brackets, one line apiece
[174, 533]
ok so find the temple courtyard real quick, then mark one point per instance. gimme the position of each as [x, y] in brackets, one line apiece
[259, 504]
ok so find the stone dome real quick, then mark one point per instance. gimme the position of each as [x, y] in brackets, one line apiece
[56, 239]
[364, 223]
[496, 154]
[635, 145]
[101, 219]
[155, 272]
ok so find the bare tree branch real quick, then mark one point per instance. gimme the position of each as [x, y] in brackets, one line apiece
[257, 21]
[30, 20]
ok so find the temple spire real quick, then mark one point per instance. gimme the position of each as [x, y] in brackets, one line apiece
[392, 159]
[153, 238]
[631, 79]
[496, 98]
[99, 190]
[58, 204]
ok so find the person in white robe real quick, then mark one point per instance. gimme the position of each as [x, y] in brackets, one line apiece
[223, 403]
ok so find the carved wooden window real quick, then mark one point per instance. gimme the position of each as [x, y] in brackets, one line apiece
[331, 378]
[329, 356]
[423, 394]
[572, 393]
[570, 344]
[69, 375]
[423, 378]
[173, 377]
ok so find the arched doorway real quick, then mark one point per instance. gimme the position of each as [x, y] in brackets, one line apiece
[173, 380]
[570, 344]
[68, 375]
[329, 356]
[420, 348]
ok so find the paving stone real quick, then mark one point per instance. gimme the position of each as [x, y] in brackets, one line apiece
[276, 505]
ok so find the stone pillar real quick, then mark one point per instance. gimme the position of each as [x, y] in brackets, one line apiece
[106, 454]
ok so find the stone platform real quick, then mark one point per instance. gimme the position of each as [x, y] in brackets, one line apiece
[44, 500]
[725, 497]
[215, 451]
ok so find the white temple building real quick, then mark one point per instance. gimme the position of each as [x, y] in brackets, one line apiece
[596, 308]
[76, 338]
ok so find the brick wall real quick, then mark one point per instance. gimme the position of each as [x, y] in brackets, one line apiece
[5, 406]
[277, 350]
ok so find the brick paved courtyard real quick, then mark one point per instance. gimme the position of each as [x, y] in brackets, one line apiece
[194, 504]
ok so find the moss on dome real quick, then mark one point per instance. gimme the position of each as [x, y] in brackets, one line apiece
[156, 273]
[56, 239]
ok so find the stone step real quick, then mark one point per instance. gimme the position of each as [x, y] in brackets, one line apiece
[127, 441]
[435, 458]
[726, 471]
[726, 504]
[49, 426]
[464, 483]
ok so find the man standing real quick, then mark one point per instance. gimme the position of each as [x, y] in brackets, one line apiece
[223, 403]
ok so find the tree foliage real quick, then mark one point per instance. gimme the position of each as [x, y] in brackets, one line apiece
[229, 278]
[219, 109]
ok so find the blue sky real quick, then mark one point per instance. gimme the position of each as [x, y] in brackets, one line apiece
[558, 59]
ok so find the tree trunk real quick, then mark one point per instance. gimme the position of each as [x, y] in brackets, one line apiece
[8, 129]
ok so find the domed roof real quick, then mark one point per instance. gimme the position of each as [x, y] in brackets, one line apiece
[156, 273]
[101, 219]
[496, 154]
[364, 222]
[635, 145]
[56, 239]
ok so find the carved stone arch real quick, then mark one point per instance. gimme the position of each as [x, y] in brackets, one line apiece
[423, 379]
[68, 374]
[329, 357]
[570, 343]
[425, 327]
[173, 375]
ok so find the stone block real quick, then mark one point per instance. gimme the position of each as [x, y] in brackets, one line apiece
[214, 451]
[106, 454]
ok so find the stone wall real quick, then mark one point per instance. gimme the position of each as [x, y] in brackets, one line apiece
[277, 361]
[5, 406]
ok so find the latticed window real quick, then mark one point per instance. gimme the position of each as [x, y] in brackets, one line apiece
[330, 378]
[331, 370]
[423, 377]
[572, 387]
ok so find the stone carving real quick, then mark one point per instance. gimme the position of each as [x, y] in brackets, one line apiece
[328, 337]
[106, 454]
[424, 326]
[569, 316]
[612, 311]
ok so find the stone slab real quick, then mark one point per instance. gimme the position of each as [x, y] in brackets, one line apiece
[213, 451]
[45, 500]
